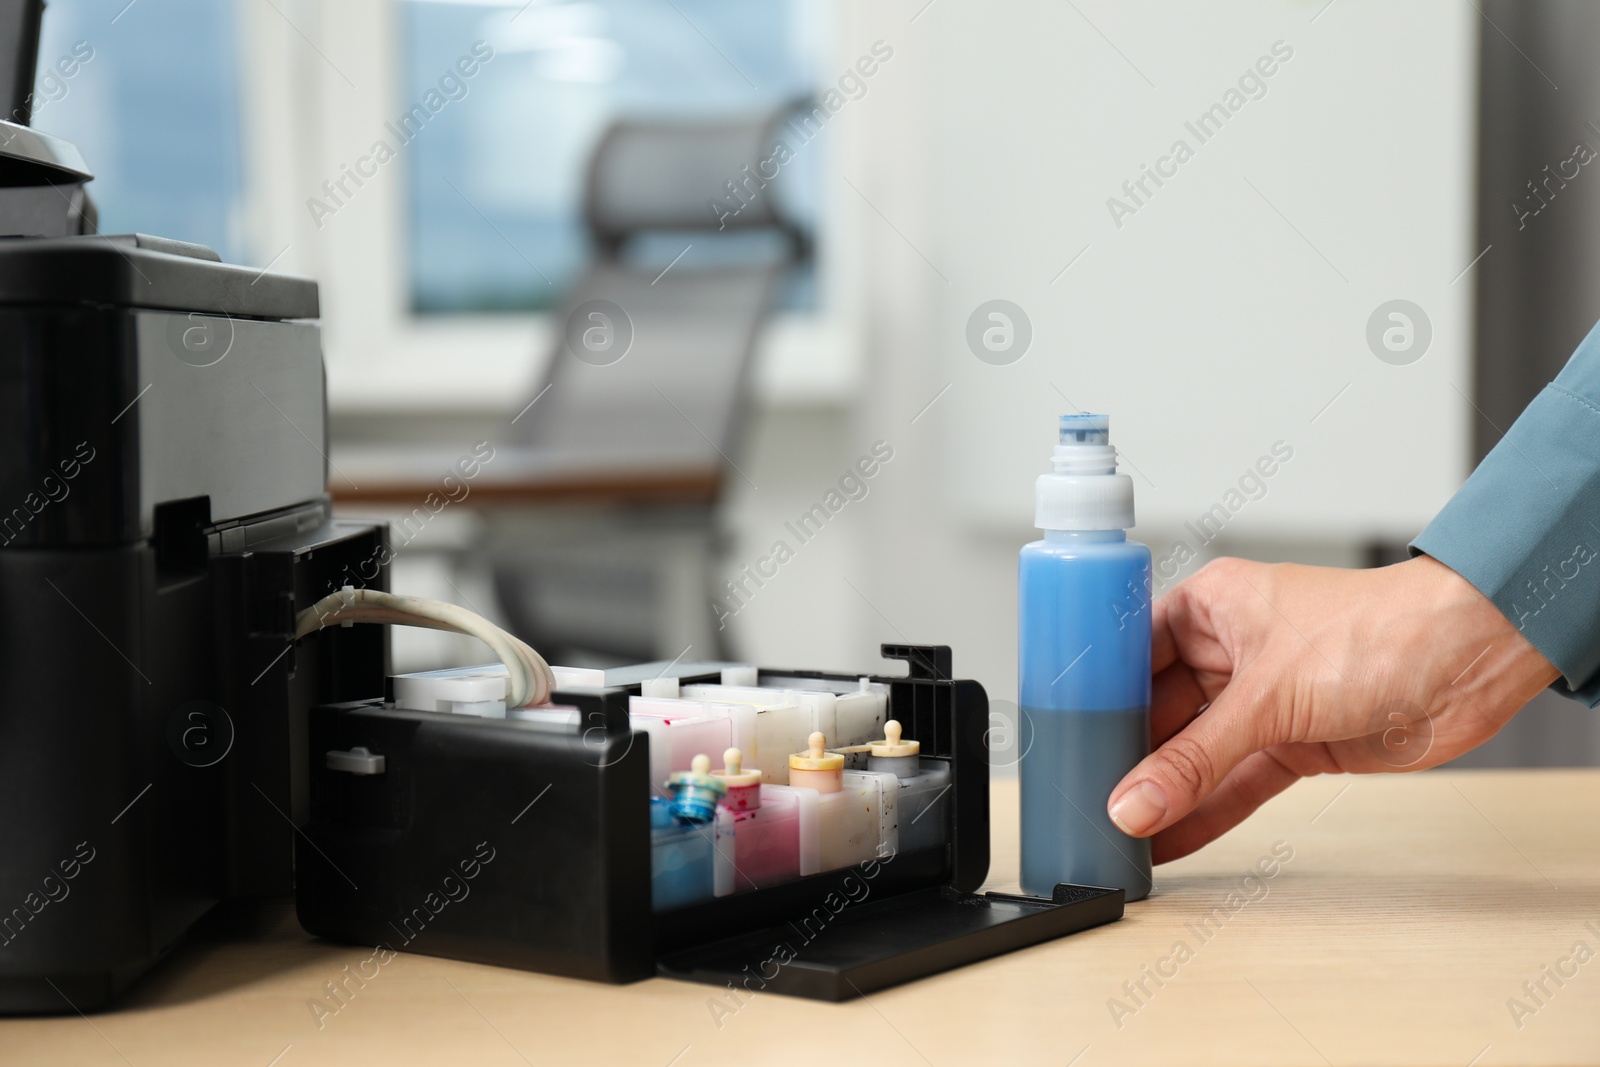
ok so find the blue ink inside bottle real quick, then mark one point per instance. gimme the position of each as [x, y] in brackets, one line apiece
[1083, 668]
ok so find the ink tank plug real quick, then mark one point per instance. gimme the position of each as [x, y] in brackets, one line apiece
[695, 792]
[816, 768]
[894, 756]
[744, 787]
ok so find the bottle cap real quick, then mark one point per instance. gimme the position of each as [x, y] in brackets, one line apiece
[891, 745]
[817, 758]
[1083, 490]
[733, 773]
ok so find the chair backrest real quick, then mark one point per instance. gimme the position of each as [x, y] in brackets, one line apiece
[686, 176]
[652, 362]
[675, 395]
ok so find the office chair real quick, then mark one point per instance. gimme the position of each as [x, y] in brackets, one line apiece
[651, 371]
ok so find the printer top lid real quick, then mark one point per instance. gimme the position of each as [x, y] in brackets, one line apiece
[139, 271]
[50, 252]
[29, 157]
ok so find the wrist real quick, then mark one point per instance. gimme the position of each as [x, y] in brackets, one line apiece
[1498, 654]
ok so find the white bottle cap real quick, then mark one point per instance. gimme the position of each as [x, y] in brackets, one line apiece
[1084, 490]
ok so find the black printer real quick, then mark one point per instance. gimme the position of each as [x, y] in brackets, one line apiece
[163, 441]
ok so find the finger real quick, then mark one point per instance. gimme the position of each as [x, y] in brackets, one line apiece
[1256, 780]
[1163, 642]
[1182, 628]
[1172, 781]
[1176, 696]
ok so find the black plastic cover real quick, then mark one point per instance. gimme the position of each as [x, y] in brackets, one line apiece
[874, 944]
[137, 271]
[155, 730]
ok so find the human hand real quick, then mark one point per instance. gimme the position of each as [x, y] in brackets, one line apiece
[1266, 673]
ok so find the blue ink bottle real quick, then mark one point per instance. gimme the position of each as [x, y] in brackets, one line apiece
[1083, 668]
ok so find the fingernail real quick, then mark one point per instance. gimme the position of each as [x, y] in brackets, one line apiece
[1140, 808]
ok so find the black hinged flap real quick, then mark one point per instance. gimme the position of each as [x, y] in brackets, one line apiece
[880, 943]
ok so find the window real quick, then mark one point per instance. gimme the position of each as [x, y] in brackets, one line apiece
[151, 99]
[217, 121]
[495, 184]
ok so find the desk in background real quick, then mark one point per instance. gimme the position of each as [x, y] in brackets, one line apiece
[402, 478]
[589, 559]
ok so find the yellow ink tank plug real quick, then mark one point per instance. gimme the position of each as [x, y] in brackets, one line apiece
[817, 768]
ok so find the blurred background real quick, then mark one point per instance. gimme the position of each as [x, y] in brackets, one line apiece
[750, 318]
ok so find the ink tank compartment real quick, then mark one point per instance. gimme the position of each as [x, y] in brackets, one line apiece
[775, 827]
[541, 840]
[922, 785]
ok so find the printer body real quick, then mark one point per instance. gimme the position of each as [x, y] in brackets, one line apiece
[163, 517]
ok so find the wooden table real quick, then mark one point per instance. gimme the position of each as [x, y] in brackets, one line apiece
[1412, 911]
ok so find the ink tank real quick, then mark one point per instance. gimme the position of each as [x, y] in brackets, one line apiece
[924, 815]
[857, 811]
[692, 839]
[682, 864]
[782, 724]
[774, 826]
[851, 717]
[1083, 668]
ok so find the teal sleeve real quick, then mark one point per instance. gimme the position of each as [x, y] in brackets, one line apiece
[1525, 528]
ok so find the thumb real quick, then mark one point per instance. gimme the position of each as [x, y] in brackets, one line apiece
[1172, 781]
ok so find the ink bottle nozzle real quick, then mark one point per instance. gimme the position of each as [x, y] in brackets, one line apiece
[1083, 490]
[695, 792]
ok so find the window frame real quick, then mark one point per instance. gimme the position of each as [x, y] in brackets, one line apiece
[318, 80]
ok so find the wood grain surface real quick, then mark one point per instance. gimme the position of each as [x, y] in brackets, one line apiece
[1401, 930]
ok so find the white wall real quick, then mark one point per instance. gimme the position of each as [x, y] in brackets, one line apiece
[1207, 325]
[977, 167]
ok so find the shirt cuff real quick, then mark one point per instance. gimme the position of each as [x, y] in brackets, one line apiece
[1525, 530]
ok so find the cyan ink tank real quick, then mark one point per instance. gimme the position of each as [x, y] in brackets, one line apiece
[1083, 668]
[692, 846]
[681, 866]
